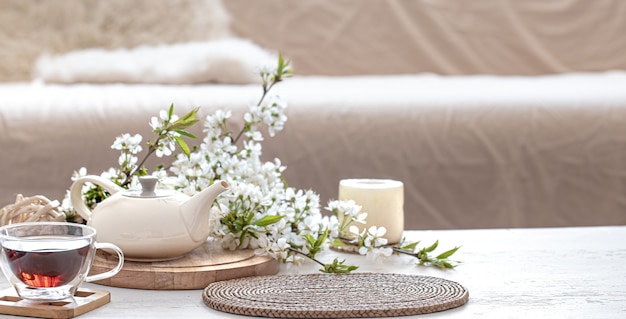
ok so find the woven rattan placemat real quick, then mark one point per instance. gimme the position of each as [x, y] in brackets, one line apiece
[335, 296]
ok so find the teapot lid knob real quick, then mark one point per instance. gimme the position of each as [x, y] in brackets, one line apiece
[148, 189]
[148, 186]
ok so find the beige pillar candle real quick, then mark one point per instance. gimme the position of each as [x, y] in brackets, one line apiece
[381, 199]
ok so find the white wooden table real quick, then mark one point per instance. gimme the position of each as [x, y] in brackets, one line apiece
[510, 273]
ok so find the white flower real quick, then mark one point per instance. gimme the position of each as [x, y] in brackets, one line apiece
[347, 209]
[377, 231]
[254, 136]
[214, 125]
[159, 124]
[155, 124]
[126, 160]
[129, 143]
[163, 150]
[354, 230]
[385, 251]
[110, 173]
[166, 146]
[332, 223]
[217, 119]
[165, 117]
[80, 173]
[280, 248]
[275, 118]
[266, 69]
[251, 149]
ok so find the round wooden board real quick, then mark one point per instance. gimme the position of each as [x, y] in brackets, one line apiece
[204, 265]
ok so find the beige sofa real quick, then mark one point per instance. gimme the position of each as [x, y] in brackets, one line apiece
[492, 113]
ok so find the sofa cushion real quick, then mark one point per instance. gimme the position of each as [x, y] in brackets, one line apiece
[229, 60]
[30, 28]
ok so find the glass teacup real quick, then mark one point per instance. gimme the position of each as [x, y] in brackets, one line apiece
[49, 260]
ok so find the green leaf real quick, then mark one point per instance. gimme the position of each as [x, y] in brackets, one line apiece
[180, 125]
[267, 220]
[322, 238]
[252, 234]
[338, 267]
[185, 133]
[338, 242]
[170, 113]
[249, 218]
[410, 246]
[432, 247]
[448, 253]
[283, 69]
[281, 62]
[238, 225]
[185, 121]
[183, 145]
[190, 116]
[242, 238]
[310, 239]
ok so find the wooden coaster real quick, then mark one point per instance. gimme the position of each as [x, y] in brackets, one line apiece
[204, 265]
[84, 301]
[355, 295]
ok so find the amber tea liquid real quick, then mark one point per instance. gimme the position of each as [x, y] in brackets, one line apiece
[44, 267]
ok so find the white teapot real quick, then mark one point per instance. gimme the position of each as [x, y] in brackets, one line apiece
[148, 224]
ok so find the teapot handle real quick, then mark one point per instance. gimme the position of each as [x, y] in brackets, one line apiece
[76, 192]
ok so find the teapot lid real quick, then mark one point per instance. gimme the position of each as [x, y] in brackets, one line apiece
[148, 189]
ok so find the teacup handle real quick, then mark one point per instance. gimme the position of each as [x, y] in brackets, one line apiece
[112, 272]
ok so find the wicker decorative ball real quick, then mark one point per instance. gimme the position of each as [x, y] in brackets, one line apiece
[31, 209]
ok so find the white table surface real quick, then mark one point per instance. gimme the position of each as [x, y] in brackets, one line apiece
[510, 273]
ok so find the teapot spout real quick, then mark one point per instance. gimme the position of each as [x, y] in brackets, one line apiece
[195, 210]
